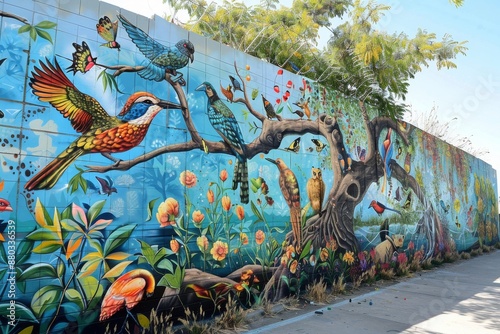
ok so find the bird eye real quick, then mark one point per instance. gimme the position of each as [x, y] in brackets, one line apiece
[148, 101]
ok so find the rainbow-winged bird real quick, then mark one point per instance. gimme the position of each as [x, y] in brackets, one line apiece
[162, 58]
[100, 132]
[290, 189]
[226, 125]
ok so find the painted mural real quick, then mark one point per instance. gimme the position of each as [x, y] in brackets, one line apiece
[146, 169]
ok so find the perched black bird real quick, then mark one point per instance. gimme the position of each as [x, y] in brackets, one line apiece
[236, 83]
[299, 113]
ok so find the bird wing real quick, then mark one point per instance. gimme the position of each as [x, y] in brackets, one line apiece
[227, 127]
[51, 85]
[148, 46]
[290, 188]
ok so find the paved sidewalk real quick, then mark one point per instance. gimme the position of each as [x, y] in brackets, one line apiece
[462, 297]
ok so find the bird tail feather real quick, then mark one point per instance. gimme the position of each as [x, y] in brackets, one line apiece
[296, 222]
[241, 177]
[152, 72]
[50, 174]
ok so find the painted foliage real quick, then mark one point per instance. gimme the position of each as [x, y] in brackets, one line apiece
[146, 170]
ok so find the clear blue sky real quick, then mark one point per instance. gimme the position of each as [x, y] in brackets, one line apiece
[471, 92]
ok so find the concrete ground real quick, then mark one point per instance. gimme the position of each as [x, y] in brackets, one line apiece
[462, 297]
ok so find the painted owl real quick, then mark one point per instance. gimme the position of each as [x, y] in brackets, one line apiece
[316, 190]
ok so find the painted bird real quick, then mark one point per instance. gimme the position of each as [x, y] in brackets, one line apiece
[100, 132]
[407, 164]
[386, 151]
[162, 58]
[380, 208]
[316, 189]
[227, 92]
[445, 207]
[299, 113]
[290, 190]
[5, 205]
[270, 113]
[226, 125]
[126, 292]
[304, 105]
[236, 83]
[106, 186]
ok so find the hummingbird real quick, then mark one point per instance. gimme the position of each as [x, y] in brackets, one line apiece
[290, 190]
[162, 58]
[316, 189]
[226, 125]
[380, 208]
[100, 132]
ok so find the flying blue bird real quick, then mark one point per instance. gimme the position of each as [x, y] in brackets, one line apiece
[226, 125]
[162, 58]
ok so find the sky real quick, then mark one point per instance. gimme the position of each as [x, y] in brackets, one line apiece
[467, 96]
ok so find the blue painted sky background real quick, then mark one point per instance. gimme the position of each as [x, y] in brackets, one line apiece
[470, 93]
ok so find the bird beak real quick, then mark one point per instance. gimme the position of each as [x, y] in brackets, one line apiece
[191, 56]
[201, 87]
[271, 160]
[169, 105]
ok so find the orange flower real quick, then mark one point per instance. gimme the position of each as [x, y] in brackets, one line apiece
[174, 246]
[284, 260]
[188, 179]
[290, 251]
[226, 203]
[348, 257]
[243, 238]
[202, 243]
[219, 250]
[259, 237]
[246, 274]
[223, 175]
[210, 196]
[293, 266]
[323, 255]
[167, 212]
[332, 244]
[198, 217]
[240, 212]
[238, 287]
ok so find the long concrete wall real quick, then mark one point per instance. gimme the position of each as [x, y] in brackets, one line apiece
[145, 169]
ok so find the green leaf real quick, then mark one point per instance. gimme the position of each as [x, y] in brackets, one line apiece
[61, 267]
[45, 299]
[42, 234]
[118, 237]
[256, 212]
[150, 209]
[22, 312]
[147, 252]
[91, 289]
[39, 270]
[24, 251]
[46, 25]
[3, 255]
[43, 34]
[95, 210]
[24, 28]
[305, 251]
[33, 33]
[143, 320]
[74, 296]
[165, 264]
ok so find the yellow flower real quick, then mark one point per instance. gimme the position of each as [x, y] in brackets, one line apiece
[167, 212]
[240, 212]
[323, 255]
[202, 243]
[290, 251]
[174, 246]
[348, 258]
[188, 179]
[244, 238]
[226, 203]
[259, 237]
[293, 266]
[210, 196]
[223, 175]
[198, 217]
[219, 250]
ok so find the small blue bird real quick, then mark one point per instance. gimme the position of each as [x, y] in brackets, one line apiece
[226, 125]
[163, 58]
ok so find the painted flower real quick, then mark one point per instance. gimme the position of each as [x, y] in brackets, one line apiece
[411, 245]
[210, 196]
[293, 266]
[167, 212]
[312, 260]
[240, 212]
[284, 260]
[402, 259]
[323, 255]
[290, 251]
[174, 246]
[198, 217]
[226, 203]
[332, 244]
[348, 258]
[243, 238]
[223, 175]
[188, 179]
[202, 243]
[259, 237]
[219, 250]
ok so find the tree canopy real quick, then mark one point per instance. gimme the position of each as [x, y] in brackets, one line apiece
[358, 60]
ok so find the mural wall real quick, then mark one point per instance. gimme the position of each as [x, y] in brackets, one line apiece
[148, 169]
